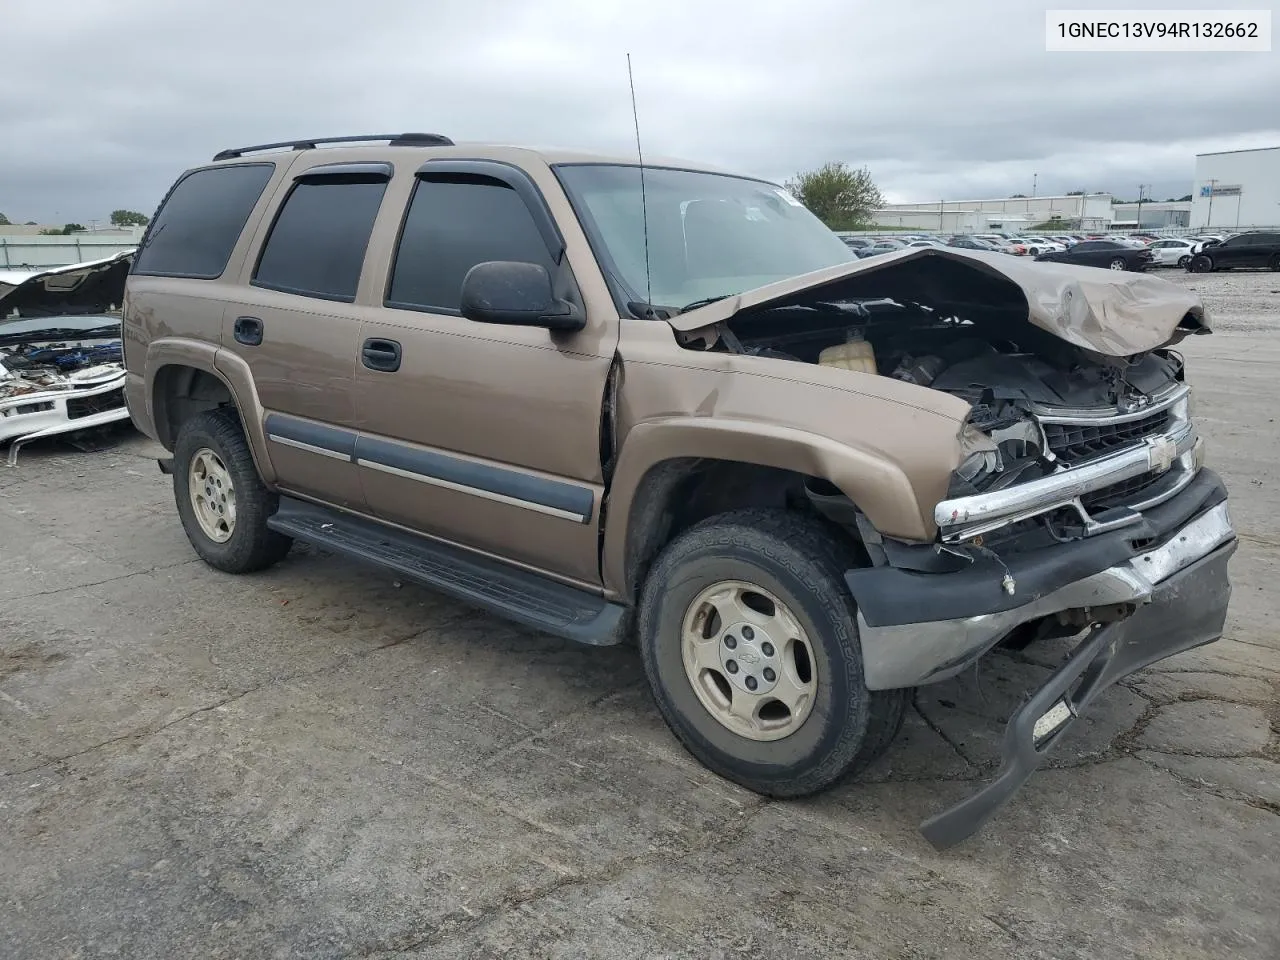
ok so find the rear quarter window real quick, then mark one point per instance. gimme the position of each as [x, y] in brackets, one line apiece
[200, 221]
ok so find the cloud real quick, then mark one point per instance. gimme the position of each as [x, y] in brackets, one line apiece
[940, 98]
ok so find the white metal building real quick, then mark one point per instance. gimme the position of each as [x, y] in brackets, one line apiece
[1008, 214]
[1237, 189]
[1157, 215]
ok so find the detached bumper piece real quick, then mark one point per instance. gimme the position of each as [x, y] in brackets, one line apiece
[1186, 610]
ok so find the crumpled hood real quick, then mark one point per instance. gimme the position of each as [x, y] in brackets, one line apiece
[1108, 312]
[93, 287]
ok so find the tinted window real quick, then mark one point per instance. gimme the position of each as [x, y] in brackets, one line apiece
[1268, 238]
[317, 244]
[455, 222]
[198, 225]
[1088, 245]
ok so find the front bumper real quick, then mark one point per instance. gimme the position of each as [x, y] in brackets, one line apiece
[917, 628]
[1162, 583]
[1184, 611]
[48, 413]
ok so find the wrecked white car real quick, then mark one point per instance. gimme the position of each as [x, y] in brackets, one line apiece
[61, 362]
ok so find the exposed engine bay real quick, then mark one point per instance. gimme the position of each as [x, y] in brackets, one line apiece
[61, 356]
[1040, 405]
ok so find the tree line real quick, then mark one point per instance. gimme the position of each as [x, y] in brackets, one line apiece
[119, 218]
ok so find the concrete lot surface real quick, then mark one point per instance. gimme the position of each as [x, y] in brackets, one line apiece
[318, 762]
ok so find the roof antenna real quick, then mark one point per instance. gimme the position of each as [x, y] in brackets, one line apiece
[644, 206]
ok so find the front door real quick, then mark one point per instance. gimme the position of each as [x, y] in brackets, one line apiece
[481, 434]
[298, 327]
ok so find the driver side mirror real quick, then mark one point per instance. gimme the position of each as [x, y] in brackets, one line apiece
[506, 291]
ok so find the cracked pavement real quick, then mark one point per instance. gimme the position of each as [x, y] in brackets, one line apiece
[315, 762]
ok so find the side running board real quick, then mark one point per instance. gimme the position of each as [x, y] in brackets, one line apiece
[510, 592]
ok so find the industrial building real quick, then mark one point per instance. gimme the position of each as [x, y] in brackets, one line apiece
[1010, 214]
[1151, 215]
[1237, 189]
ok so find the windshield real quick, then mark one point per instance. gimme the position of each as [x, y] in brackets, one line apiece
[709, 235]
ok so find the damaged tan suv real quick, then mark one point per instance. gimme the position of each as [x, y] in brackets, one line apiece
[607, 401]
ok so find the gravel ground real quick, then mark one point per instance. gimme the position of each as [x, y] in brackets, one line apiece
[315, 762]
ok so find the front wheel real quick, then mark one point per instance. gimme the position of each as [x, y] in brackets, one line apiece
[750, 643]
[222, 501]
[1118, 264]
[1184, 260]
[1200, 264]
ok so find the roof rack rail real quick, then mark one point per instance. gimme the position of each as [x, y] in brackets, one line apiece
[394, 139]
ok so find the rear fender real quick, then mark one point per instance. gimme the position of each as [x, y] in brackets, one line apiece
[228, 368]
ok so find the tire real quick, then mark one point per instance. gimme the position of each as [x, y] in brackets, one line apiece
[796, 560]
[1275, 263]
[213, 445]
[1200, 264]
[1184, 260]
[1118, 264]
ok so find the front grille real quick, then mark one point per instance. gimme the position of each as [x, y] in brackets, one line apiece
[1119, 494]
[1075, 443]
[78, 407]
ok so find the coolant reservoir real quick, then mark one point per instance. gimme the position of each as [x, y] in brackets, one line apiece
[855, 355]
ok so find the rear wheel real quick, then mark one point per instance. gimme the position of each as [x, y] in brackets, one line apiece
[1184, 260]
[750, 643]
[1118, 264]
[222, 502]
[1275, 262]
[1200, 264]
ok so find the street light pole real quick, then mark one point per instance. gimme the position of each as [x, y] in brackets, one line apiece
[1142, 188]
[1213, 184]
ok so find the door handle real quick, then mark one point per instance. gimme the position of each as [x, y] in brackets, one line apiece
[248, 330]
[383, 355]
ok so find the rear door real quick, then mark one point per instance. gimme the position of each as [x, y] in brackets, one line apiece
[1261, 249]
[485, 435]
[296, 322]
[1232, 252]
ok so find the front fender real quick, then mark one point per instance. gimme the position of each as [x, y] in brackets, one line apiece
[879, 487]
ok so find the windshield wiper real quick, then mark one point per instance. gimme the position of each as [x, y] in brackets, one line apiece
[702, 303]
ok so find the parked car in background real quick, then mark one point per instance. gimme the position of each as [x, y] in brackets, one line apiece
[1038, 245]
[1172, 252]
[61, 350]
[1112, 254]
[1255, 249]
[926, 243]
[972, 243]
[1208, 240]
[857, 243]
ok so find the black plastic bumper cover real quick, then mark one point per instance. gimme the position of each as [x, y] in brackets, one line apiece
[1187, 610]
[889, 595]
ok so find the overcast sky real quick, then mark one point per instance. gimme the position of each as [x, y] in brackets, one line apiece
[104, 102]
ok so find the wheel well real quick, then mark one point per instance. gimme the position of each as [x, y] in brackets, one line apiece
[676, 494]
[179, 393]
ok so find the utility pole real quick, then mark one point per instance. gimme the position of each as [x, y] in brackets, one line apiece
[942, 207]
[1142, 188]
[1034, 178]
[1213, 184]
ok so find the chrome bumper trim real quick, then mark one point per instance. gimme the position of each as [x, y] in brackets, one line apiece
[963, 517]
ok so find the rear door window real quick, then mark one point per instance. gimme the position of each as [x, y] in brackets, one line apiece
[200, 221]
[454, 222]
[317, 245]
